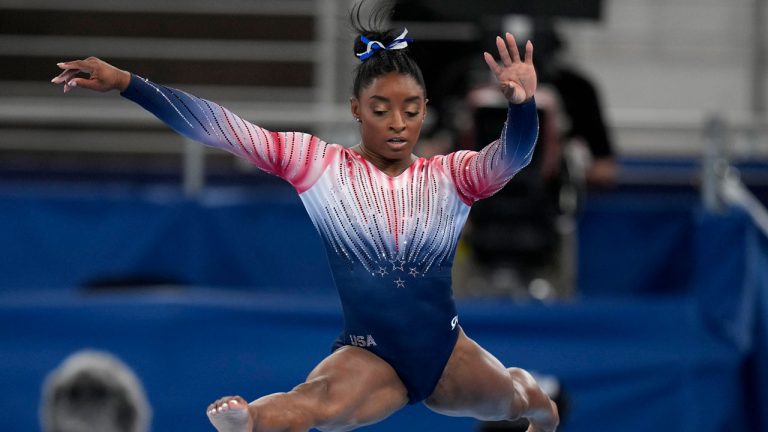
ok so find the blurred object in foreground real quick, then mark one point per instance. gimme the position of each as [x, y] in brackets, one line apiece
[94, 391]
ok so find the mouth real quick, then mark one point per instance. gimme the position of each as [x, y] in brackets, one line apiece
[397, 141]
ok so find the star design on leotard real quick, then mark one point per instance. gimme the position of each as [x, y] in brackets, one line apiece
[398, 264]
[413, 272]
[382, 271]
[400, 283]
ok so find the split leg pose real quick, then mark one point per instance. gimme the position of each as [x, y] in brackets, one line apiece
[390, 222]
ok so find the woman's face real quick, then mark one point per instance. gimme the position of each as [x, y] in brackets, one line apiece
[391, 111]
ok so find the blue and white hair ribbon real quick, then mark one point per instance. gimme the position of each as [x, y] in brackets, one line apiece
[400, 42]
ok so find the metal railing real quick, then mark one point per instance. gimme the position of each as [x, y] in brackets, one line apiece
[721, 185]
[36, 119]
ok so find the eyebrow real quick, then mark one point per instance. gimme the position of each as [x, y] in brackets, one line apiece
[407, 100]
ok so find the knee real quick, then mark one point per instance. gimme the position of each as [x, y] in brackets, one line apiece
[532, 402]
[527, 393]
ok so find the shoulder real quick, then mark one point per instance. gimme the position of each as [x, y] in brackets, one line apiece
[335, 149]
[332, 152]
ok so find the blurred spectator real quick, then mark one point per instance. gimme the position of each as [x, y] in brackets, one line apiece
[94, 391]
[584, 121]
[522, 241]
[514, 238]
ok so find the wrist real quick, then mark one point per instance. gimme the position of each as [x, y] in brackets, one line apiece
[523, 102]
[527, 102]
[123, 80]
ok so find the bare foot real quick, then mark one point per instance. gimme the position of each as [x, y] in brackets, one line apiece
[230, 414]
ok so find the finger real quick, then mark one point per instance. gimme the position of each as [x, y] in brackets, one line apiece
[492, 63]
[67, 65]
[529, 53]
[84, 83]
[71, 84]
[83, 65]
[58, 77]
[512, 44]
[503, 52]
[65, 76]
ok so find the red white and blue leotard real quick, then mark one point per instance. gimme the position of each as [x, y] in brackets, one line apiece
[390, 240]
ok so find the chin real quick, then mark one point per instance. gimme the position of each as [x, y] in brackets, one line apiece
[400, 153]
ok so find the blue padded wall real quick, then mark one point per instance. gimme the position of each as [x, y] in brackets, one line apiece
[670, 332]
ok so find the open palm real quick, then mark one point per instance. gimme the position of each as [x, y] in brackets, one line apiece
[516, 76]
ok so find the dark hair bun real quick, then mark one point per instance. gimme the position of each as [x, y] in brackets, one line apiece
[379, 61]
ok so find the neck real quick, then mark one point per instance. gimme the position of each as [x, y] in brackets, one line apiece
[390, 167]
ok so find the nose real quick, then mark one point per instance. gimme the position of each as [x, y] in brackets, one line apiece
[398, 122]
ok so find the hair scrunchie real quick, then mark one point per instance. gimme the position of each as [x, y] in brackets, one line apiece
[372, 47]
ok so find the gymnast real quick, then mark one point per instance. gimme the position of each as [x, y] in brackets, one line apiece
[390, 222]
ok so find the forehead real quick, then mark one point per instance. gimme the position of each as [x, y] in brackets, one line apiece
[393, 86]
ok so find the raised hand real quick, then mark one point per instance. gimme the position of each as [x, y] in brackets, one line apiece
[102, 76]
[516, 76]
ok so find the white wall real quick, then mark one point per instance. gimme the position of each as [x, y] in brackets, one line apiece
[663, 66]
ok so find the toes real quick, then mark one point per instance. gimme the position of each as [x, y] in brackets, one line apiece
[225, 404]
[215, 407]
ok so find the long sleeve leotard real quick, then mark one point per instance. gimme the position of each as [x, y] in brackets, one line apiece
[390, 240]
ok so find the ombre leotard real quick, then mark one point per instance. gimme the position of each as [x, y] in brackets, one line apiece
[390, 240]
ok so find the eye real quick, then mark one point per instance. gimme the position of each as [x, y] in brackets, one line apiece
[379, 113]
[412, 114]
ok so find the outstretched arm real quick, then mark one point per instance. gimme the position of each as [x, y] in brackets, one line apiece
[296, 157]
[480, 174]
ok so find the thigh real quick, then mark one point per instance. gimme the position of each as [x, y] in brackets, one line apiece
[474, 384]
[352, 387]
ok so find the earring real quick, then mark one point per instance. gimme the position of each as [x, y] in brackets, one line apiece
[357, 119]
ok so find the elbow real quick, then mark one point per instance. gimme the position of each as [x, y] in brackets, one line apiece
[523, 161]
